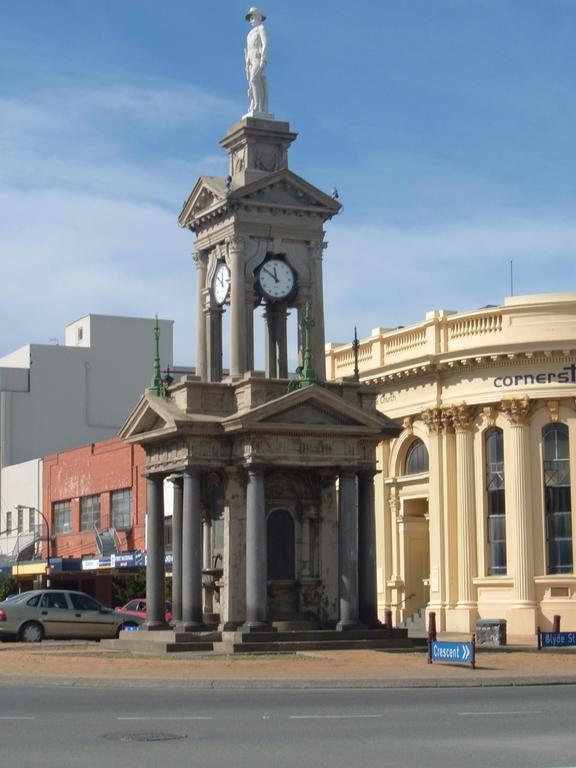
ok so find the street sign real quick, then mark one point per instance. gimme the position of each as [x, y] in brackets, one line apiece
[452, 653]
[556, 639]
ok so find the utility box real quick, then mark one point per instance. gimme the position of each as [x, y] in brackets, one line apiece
[491, 632]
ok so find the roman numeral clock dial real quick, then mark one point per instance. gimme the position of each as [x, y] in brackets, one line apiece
[276, 279]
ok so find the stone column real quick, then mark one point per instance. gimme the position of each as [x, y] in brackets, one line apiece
[518, 485]
[177, 551]
[467, 563]
[155, 578]
[201, 366]
[368, 594]
[348, 550]
[207, 582]
[256, 553]
[433, 418]
[318, 344]
[191, 553]
[276, 342]
[236, 251]
[213, 321]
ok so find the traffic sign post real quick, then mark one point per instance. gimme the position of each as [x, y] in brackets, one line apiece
[556, 639]
[452, 653]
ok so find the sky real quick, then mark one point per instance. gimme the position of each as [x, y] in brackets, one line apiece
[447, 126]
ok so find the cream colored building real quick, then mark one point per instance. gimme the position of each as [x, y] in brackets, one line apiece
[475, 499]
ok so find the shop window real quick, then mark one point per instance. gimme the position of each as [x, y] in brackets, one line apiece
[90, 513]
[121, 509]
[61, 516]
[281, 559]
[495, 501]
[557, 499]
[416, 459]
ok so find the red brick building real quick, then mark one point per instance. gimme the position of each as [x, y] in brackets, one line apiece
[95, 494]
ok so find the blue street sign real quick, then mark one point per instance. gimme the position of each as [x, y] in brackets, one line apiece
[452, 653]
[557, 639]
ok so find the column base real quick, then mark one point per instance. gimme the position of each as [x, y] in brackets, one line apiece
[343, 626]
[462, 618]
[256, 626]
[154, 626]
[190, 626]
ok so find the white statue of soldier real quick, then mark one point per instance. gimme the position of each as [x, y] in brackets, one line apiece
[256, 55]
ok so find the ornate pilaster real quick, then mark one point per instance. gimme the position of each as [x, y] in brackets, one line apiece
[236, 253]
[462, 419]
[518, 481]
[434, 419]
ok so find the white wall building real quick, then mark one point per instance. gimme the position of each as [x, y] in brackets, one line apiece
[57, 397]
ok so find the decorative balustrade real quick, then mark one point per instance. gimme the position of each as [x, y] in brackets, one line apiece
[475, 325]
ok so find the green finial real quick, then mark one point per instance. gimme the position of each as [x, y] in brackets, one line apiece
[307, 374]
[355, 349]
[156, 386]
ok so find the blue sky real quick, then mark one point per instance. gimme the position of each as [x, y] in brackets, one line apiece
[448, 127]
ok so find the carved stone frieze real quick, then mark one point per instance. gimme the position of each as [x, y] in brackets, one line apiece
[305, 450]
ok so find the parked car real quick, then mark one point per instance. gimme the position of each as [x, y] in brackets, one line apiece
[137, 607]
[59, 613]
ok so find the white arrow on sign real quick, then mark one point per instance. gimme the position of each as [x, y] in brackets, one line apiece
[466, 653]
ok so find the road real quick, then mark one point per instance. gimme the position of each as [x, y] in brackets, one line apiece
[56, 727]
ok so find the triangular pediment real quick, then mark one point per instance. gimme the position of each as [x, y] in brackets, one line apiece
[312, 408]
[152, 417]
[285, 189]
[208, 194]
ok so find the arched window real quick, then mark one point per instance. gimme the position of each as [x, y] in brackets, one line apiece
[557, 498]
[495, 501]
[281, 556]
[416, 459]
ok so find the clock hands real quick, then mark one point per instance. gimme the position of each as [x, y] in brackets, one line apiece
[273, 275]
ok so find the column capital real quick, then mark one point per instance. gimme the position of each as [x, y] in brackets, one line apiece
[434, 420]
[236, 243]
[174, 478]
[517, 410]
[199, 259]
[462, 417]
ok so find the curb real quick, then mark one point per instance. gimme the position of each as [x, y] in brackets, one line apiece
[264, 685]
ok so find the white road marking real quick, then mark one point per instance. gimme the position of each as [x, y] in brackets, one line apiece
[333, 717]
[192, 717]
[16, 717]
[498, 714]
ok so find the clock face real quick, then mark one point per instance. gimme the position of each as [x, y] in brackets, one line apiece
[276, 279]
[221, 284]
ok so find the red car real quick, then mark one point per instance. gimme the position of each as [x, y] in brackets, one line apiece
[137, 607]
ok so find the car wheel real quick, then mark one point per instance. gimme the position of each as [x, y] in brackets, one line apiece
[31, 632]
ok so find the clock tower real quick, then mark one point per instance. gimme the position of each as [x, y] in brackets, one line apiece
[273, 477]
[259, 251]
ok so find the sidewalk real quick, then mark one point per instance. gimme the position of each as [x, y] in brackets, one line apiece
[80, 664]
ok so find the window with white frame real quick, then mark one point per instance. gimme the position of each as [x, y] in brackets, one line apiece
[495, 501]
[121, 509]
[90, 512]
[557, 499]
[61, 516]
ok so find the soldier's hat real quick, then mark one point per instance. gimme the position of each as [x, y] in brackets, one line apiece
[253, 11]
